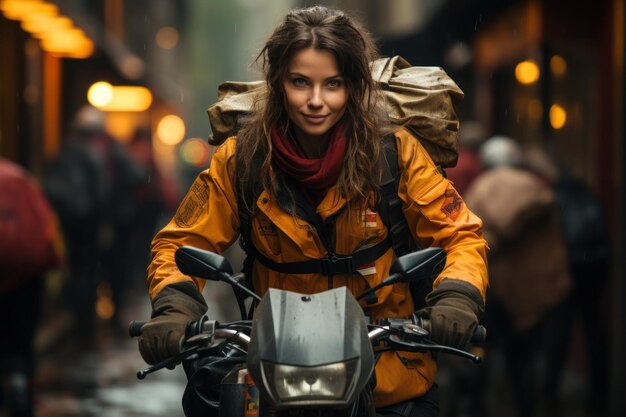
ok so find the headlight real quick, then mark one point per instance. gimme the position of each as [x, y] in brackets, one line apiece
[327, 383]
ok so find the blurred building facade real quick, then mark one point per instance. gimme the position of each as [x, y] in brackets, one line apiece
[547, 72]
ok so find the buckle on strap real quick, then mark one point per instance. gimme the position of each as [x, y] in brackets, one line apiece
[337, 265]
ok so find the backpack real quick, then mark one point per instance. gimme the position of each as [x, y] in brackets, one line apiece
[420, 99]
[28, 232]
[584, 225]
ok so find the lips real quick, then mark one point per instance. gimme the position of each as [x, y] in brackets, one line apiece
[315, 119]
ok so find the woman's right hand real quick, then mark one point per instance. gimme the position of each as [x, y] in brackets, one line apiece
[172, 310]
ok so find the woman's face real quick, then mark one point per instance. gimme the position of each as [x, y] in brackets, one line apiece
[316, 93]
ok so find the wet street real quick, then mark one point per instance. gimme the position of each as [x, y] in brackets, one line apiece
[99, 378]
[82, 375]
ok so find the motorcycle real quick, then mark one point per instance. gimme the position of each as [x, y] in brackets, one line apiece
[302, 354]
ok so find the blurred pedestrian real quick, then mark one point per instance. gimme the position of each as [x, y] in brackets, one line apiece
[156, 198]
[471, 135]
[91, 185]
[588, 243]
[528, 266]
[29, 247]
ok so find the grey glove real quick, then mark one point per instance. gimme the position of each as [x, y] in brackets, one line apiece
[454, 309]
[172, 310]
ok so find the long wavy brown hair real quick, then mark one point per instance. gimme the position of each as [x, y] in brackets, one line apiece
[330, 30]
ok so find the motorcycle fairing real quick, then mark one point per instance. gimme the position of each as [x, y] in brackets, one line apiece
[311, 330]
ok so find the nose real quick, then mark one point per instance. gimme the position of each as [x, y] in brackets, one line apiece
[315, 99]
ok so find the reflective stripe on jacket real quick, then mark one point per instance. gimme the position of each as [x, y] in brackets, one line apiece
[207, 218]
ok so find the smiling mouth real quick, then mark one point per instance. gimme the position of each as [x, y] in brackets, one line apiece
[315, 118]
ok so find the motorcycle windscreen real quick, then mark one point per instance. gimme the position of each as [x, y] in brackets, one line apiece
[310, 349]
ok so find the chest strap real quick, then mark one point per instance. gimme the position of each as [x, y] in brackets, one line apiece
[334, 265]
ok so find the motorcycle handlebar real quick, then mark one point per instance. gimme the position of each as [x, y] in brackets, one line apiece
[134, 328]
[478, 338]
[480, 335]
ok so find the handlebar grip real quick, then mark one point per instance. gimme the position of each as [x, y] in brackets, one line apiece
[478, 338]
[480, 335]
[134, 328]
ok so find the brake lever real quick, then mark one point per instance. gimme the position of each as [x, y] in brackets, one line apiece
[169, 363]
[426, 346]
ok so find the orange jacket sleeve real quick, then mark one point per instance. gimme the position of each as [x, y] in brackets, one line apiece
[210, 197]
[439, 217]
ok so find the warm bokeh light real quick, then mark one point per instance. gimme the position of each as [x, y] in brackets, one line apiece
[558, 116]
[70, 42]
[106, 97]
[122, 125]
[105, 308]
[17, 9]
[558, 66]
[42, 20]
[128, 98]
[38, 24]
[100, 94]
[167, 37]
[527, 72]
[195, 152]
[132, 67]
[171, 129]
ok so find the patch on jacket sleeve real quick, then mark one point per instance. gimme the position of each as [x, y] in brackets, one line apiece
[192, 206]
[452, 203]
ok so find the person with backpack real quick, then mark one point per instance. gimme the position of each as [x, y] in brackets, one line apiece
[302, 184]
[529, 275]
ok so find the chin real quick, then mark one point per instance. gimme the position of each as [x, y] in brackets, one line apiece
[320, 130]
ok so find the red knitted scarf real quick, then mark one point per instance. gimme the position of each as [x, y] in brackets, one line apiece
[316, 176]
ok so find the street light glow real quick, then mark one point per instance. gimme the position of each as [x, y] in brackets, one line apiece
[171, 129]
[57, 32]
[558, 116]
[100, 94]
[107, 97]
[527, 72]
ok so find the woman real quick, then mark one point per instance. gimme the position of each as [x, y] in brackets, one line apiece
[317, 134]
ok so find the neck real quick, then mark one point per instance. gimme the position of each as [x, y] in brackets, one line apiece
[313, 146]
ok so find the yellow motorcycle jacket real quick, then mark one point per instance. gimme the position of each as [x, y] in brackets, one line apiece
[437, 216]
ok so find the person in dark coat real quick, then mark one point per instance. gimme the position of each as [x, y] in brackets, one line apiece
[29, 248]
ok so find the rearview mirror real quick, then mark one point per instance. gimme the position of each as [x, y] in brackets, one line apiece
[423, 264]
[201, 263]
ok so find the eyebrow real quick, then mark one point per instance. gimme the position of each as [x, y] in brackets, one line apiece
[297, 74]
